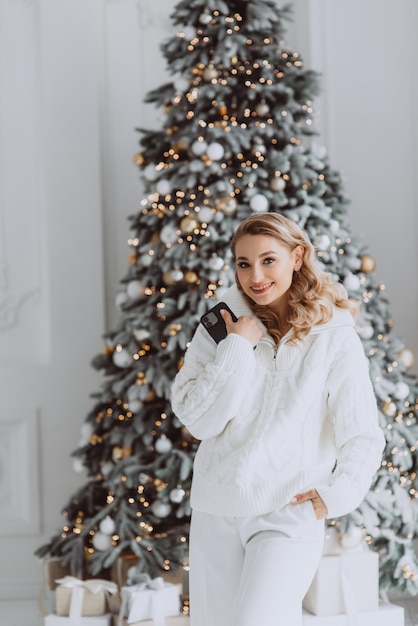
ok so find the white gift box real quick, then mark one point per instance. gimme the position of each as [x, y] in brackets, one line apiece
[60, 620]
[180, 620]
[152, 600]
[386, 615]
[345, 583]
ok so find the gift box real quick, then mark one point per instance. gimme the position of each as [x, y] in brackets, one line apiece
[59, 620]
[345, 583]
[53, 570]
[75, 597]
[180, 620]
[121, 566]
[151, 599]
[385, 615]
[121, 572]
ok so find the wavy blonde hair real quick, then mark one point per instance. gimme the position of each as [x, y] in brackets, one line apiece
[312, 294]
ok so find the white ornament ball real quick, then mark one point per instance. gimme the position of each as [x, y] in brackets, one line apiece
[173, 277]
[147, 260]
[352, 539]
[163, 187]
[210, 73]
[163, 444]
[86, 431]
[135, 406]
[206, 215]
[150, 172]
[161, 509]
[107, 468]
[177, 495]
[121, 358]
[181, 84]
[366, 332]
[199, 147]
[216, 263]
[401, 390]
[262, 109]
[78, 466]
[101, 541]
[141, 334]
[205, 18]
[121, 298]
[323, 242]
[107, 526]
[352, 282]
[215, 151]
[277, 184]
[259, 203]
[189, 32]
[135, 289]
[168, 234]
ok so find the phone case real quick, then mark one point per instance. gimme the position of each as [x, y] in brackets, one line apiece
[214, 323]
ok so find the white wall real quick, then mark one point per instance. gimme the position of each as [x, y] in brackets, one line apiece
[73, 74]
[367, 52]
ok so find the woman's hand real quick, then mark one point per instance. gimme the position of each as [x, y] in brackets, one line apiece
[319, 506]
[247, 327]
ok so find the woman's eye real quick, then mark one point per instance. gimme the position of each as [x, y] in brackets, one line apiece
[268, 260]
[243, 264]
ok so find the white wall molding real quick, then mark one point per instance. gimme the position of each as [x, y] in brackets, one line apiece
[19, 471]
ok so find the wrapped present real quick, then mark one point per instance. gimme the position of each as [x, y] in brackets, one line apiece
[96, 620]
[151, 599]
[120, 568]
[385, 615]
[346, 583]
[54, 569]
[180, 620]
[78, 598]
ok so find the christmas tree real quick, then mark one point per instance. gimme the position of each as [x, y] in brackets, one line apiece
[237, 138]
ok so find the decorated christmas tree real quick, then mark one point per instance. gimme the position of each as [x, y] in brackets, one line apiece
[237, 138]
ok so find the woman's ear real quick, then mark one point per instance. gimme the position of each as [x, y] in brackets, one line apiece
[298, 253]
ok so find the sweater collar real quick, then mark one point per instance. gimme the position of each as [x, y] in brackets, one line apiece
[233, 297]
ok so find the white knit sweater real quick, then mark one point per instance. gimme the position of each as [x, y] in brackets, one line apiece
[277, 422]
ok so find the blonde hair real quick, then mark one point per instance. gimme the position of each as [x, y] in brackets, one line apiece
[312, 294]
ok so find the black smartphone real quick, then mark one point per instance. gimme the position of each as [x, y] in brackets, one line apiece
[214, 323]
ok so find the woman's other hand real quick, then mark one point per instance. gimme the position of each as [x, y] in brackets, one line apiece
[247, 327]
[319, 506]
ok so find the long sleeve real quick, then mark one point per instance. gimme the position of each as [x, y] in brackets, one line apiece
[358, 437]
[209, 389]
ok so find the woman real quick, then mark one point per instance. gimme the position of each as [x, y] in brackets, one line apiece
[285, 410]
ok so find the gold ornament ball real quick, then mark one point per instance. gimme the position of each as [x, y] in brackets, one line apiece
[227, 205]
[222, 109]
[117, 453]
[132, 258]
[151, 396]
[389, 408]
[138, 159]
[188, 224]
[407, 357]
[368, 264]
[191, 277]
[198, 69]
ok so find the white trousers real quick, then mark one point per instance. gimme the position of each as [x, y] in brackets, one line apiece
[253, 571]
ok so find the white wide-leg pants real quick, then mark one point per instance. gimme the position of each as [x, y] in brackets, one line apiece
[253, 571]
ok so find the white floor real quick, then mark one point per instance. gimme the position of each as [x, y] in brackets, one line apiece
[26, 613]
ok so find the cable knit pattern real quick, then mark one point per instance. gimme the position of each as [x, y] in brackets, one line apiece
[276, 422]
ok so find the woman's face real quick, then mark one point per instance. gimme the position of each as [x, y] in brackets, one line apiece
[265, 269]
